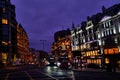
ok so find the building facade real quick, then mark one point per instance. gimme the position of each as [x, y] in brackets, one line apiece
[23, 54]
[109, 27]
[14, 44]
[8, 23]
[97, 39]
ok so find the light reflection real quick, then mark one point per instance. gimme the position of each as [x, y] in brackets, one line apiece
[48, 69]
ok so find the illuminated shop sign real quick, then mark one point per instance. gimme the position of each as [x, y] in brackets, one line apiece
[92, 53]
[111, 51]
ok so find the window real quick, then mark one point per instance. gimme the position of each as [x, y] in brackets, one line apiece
[103, 42]
[111, 22]
[102, 26]
[84, 40]
[87, 32]
[116, 40]
[5, 27]
[5, 15]
[88, 39]
[92, 37]
[5, 38]
[3, 10]
[5, 32]
[99, 42]
[112, 31]
[4, 21]
[98, 35]
[95, 36]
[107, 32]
[104, 33]
[81, 40]
[107, 24]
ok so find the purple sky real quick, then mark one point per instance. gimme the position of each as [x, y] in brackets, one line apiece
[41, 18]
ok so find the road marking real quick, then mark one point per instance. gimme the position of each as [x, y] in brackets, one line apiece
[6, 78]
[29, 75]
[73, 77]
[47, 75]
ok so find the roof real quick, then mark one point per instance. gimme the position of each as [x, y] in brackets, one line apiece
[118, 13]
[105, 18]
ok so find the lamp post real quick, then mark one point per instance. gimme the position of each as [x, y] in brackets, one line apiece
[43, 43]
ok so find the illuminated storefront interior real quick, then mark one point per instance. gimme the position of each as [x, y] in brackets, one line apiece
[4, 58]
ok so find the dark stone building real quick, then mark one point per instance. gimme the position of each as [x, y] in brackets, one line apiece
[8, 23]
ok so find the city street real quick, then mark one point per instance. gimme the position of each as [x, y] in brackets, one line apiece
[30, 72]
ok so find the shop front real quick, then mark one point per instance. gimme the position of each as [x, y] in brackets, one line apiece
[92, 56]
[112, 56]
[77, 60]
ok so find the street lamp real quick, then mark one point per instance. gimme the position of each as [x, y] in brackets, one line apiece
[43, 43]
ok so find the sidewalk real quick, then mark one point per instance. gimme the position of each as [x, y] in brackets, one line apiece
[93, 70]
[88, 69]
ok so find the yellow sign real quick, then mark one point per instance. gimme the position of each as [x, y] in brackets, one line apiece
[111, 51]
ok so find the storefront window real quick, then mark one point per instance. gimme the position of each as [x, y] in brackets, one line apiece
[106, 60]
[4, 58]
[4, 21]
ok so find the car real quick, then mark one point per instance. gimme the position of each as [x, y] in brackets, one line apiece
[65, 65]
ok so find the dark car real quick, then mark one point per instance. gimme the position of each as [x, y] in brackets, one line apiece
[65, 65]
[93, 65]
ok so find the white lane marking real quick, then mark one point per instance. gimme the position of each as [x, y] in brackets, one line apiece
[29, 75]
[73, 77]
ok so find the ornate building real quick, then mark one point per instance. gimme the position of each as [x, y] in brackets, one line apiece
[109, 27]
[97, 40]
